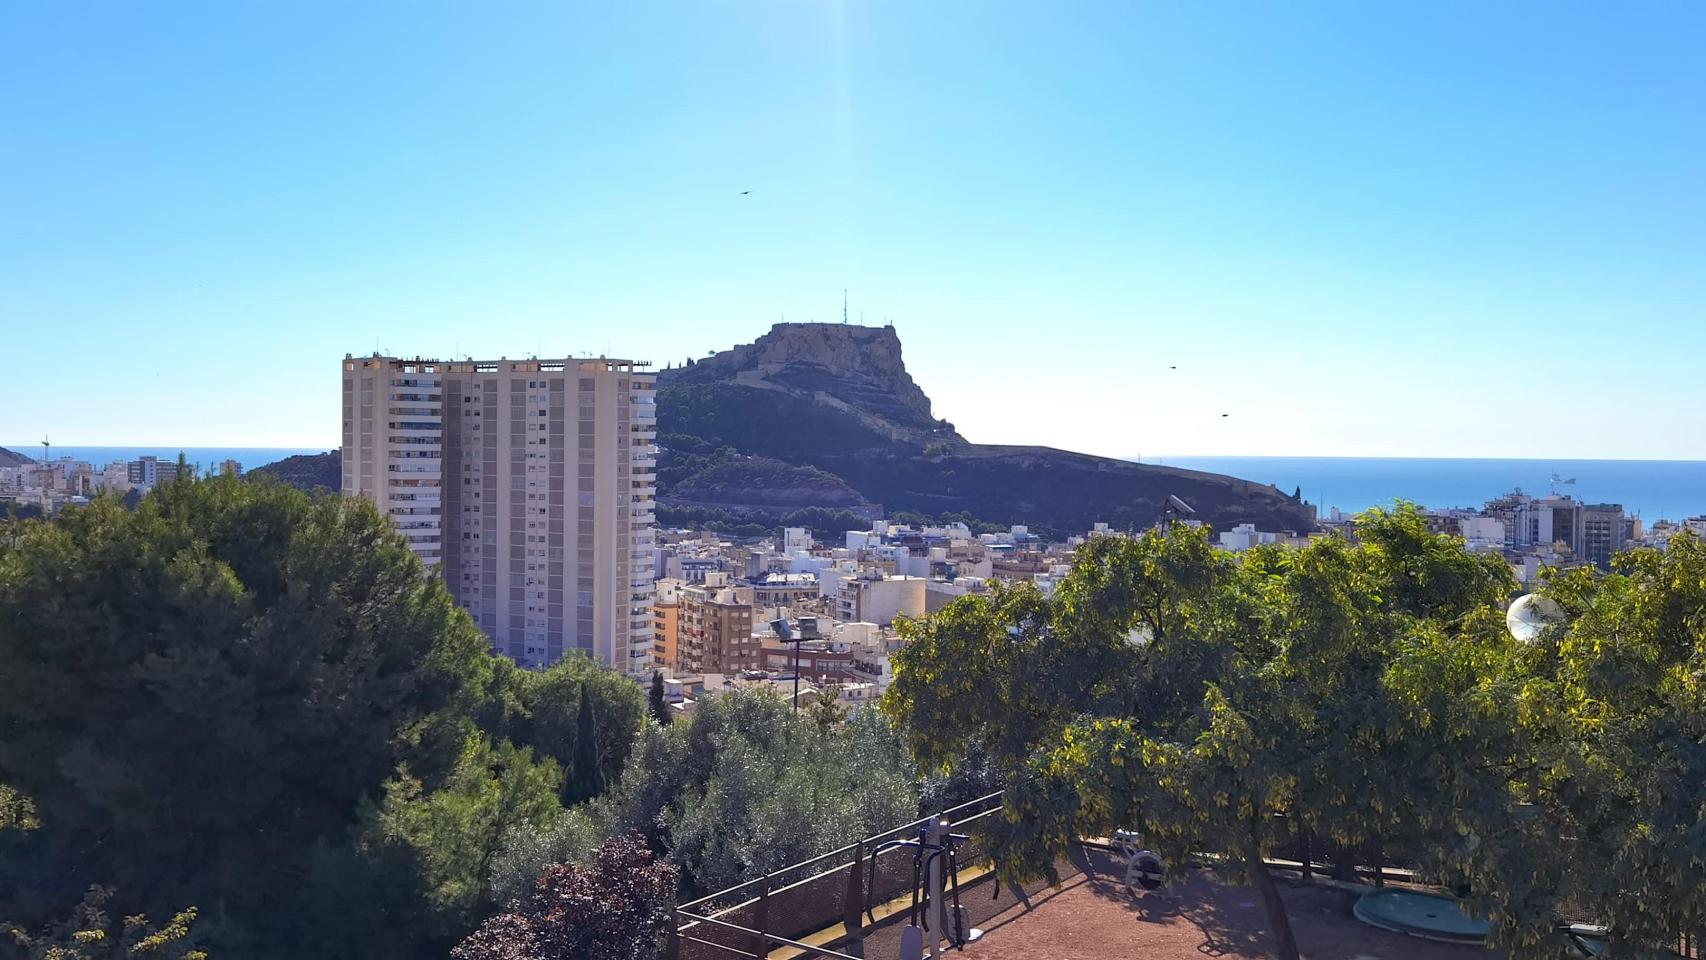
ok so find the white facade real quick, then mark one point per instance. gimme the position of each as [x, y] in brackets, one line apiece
[393, 443]
[529, 484]
[1482, 533]
[880, 601]
[1244, 536]
[796, 539]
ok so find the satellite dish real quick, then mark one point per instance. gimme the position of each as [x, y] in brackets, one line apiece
[1531, 615]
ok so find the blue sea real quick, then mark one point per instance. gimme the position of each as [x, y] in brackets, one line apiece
[1655, 489]
[207, 458]
[1670, 489]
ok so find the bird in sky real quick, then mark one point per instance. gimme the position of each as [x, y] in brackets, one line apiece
[745, 192]
[1172, 367]
[1226, 414]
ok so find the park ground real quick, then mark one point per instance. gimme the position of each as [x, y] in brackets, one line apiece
[1092, 917]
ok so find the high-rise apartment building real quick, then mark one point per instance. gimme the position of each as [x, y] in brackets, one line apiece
[528, 483]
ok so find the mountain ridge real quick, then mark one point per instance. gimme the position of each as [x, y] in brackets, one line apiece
[12, 458]
[838, 397]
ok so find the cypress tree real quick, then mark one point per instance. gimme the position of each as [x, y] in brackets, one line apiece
[588, 777]
[659, 706]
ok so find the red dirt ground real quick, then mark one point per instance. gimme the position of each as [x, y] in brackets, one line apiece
[1093, 918]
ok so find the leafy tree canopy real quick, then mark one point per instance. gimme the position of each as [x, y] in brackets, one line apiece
[90, 934]
[1200, 696]
[213, 680]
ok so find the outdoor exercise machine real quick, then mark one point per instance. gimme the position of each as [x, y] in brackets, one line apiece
[936, 914]
[1144, 869]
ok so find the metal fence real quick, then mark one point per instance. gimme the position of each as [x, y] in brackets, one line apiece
[783, 906]
[805, 899]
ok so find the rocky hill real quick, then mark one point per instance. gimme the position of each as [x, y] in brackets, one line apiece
[854, 372]
[838, 397]
[310, 472]
[763, 485]
[9, 458]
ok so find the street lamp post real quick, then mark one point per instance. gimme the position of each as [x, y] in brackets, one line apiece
[786, 632]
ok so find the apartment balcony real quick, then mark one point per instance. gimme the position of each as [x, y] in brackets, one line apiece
[419, 499]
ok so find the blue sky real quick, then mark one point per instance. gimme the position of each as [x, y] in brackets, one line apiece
[1452, 229]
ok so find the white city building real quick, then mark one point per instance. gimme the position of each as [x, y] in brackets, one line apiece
[528, 483]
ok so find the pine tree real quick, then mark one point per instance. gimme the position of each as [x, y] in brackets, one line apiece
[659, 706]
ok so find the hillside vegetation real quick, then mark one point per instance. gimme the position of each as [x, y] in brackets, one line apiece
[838, 397]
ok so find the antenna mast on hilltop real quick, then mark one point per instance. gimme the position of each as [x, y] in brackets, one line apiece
[844, 306]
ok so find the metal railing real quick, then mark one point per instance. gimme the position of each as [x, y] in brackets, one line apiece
[809, 900]
[782, 906]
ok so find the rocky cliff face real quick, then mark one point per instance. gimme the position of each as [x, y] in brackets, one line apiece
[838, 398]
[855, 369]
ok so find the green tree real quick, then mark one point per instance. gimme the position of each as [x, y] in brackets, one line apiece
[588, 771]
[1203, 698]
[657, 702]
[542, 709]
[195, 694]
[527, 851]
[651, 783]
[776, 787]
[90, 934]
[1616, 699]
[453, 834]
[17, 812]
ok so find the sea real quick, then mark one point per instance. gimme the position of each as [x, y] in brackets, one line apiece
[206, 458]
[1654, 489]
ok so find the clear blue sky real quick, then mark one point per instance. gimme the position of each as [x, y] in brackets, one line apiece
[1449, 229]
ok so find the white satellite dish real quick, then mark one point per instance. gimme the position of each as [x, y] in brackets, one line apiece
[1531, 615]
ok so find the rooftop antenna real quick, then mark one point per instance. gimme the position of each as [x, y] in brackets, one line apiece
[844, 305]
